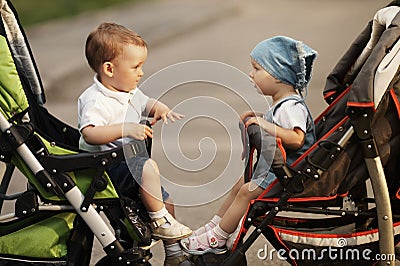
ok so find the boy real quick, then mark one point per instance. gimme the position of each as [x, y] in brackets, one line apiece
[281, 66]
[117, 55]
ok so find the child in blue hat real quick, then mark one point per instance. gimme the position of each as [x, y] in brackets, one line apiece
[281, 68]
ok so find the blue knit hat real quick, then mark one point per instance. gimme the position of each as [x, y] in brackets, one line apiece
[286, 59]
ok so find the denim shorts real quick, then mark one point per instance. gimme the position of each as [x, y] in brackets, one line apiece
[255, 137]
[128, 182]
[265, 180]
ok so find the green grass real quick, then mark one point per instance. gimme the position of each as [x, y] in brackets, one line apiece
[35, 11]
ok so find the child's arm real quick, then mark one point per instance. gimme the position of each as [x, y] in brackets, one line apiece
[98, 135]
[291, 138]
[158, 111]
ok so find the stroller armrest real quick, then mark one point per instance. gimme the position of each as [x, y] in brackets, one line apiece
[58, 165]
[270, 148]
[103, 159]
[83, 160]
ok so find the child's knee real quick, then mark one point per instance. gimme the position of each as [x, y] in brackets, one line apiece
[248, 192]
[243, 191]
[150, 165]
[235, 189]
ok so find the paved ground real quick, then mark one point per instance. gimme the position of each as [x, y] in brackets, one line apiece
[183, 30]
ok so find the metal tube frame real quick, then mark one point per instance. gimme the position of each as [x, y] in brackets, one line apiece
[383, 207]
[74, 195]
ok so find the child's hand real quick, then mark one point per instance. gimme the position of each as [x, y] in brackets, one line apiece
[164, 113]
[164, 116]
[267, 126]
[248, 114]
[137, 131]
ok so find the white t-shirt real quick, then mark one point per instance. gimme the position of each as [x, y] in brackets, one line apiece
[291, 114]
[99, 106]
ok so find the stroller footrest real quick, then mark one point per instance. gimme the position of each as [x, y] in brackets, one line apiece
[118, 256]
[114, 250]
[259, 208]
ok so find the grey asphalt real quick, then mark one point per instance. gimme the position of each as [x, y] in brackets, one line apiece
[183, 30]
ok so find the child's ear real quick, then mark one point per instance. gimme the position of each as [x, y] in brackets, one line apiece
[108, 69]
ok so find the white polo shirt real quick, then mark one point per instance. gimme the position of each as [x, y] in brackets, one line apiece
[99, 106]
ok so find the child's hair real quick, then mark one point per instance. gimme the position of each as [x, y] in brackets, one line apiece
[107, 42]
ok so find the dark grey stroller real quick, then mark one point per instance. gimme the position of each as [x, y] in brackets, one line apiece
[358, 141]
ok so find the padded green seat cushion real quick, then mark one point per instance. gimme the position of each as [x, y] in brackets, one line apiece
[12, 96]
[45, 239]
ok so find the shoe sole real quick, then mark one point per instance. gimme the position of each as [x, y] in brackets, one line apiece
[216, 251]
[161, 237]
[153, 243]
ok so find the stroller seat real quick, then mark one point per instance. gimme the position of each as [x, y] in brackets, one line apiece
[56, 218]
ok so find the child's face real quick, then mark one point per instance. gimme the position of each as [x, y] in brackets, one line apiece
[127, 68]
[264, 82]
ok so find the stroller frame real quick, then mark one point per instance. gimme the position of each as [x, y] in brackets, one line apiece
[357, 124]
[129, 240]
[63, 186]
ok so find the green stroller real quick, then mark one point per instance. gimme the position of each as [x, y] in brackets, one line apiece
[56, 218]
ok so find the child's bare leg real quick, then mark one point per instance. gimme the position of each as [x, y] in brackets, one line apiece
[164, 226]
[169, 205]
[225, 205]
[221, 211]
[239, 206]
[231, 197]
[150, 189]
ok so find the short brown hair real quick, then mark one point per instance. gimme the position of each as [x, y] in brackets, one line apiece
[107, 42]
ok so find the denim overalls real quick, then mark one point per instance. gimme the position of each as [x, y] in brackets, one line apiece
[292, 155]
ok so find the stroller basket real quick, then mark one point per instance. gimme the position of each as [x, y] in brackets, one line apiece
[323, 248]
